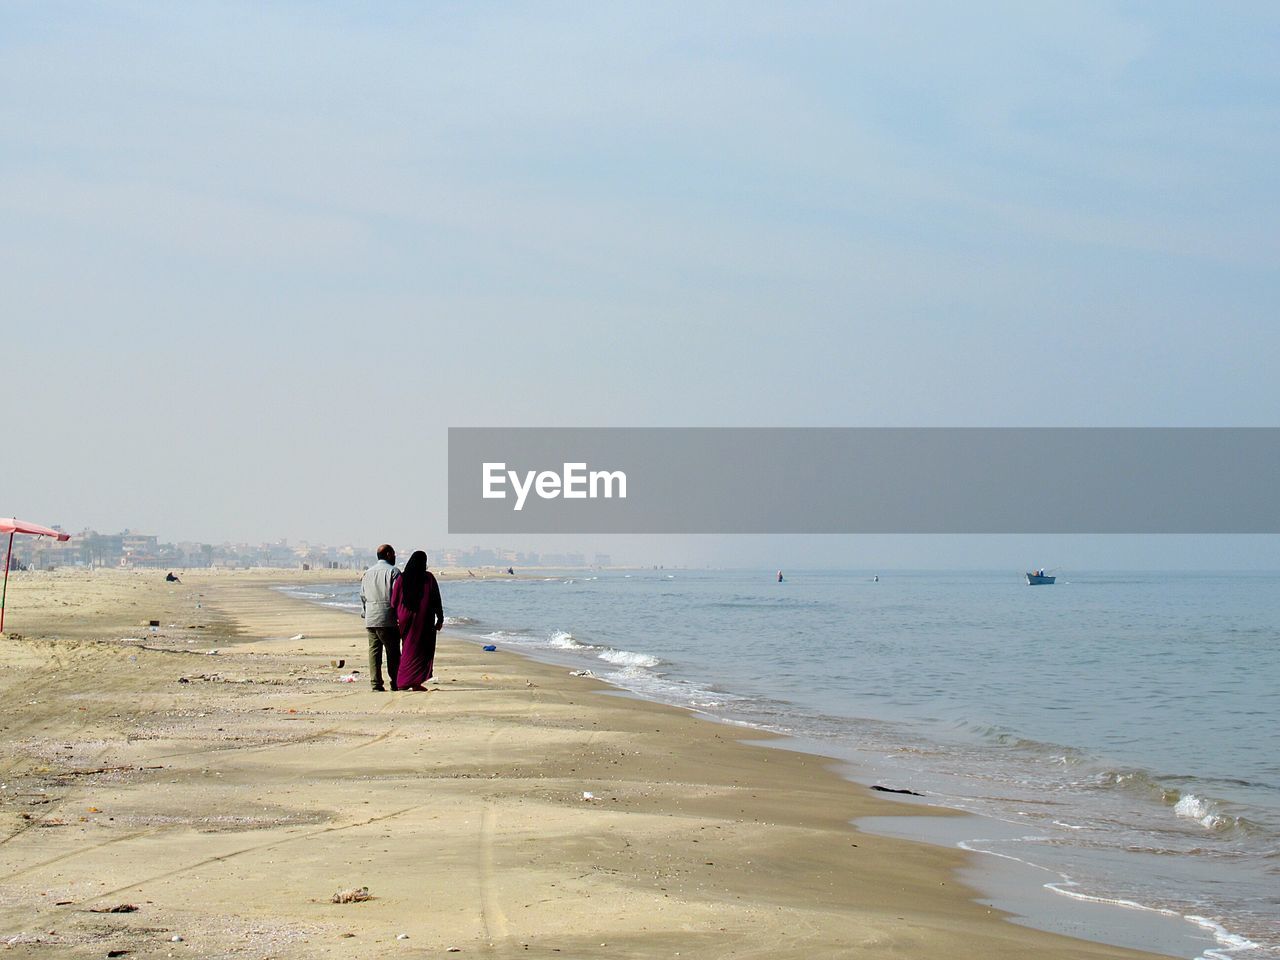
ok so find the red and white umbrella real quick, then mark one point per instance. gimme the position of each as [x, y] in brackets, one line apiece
[11, 526]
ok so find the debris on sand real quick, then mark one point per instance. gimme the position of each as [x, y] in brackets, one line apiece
[909, 793]
[118, 908]
[354, 895]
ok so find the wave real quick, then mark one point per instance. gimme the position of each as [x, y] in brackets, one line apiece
[1231, 942]
[460, 621]
[564, 640]
[1205, 811]
[1139, 782]
[1064, 888]
[1055, 753]
[626, 658]
[768, 603]
[511, 636]
[1209, 812]
[1228, 942]
[324, 599]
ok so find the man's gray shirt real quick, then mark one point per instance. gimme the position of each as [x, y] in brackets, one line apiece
[375, 595]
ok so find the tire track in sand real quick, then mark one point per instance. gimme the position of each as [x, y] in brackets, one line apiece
[493, 919]
[251, 849]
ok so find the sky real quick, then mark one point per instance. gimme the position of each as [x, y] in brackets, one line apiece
[256, 258]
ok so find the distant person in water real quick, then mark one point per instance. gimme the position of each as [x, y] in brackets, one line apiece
[415, 597]
[380, 618]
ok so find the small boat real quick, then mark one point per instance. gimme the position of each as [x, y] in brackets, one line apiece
[1037, 577]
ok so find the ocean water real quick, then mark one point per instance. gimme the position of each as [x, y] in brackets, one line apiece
[1116, 730]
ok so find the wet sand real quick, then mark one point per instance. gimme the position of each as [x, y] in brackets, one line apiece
[228, 796]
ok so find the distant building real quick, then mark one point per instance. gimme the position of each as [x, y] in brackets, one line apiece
[129, 548]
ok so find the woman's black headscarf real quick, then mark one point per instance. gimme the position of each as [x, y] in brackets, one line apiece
[414, 579]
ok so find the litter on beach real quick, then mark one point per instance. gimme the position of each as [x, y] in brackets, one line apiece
[354, 895]
[489, 648]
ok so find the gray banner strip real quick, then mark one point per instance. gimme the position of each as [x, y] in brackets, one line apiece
[861, 480]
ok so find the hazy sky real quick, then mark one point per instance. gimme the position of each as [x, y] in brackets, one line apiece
[256, 258]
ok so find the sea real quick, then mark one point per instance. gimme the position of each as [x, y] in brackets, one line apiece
[1112, 737]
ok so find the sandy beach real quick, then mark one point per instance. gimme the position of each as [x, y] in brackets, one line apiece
[217, 776]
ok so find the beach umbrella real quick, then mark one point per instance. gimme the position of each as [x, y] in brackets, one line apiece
[11, 526]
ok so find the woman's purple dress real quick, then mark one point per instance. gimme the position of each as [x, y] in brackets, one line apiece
[417, 632]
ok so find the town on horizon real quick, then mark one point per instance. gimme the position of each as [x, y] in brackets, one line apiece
[128, 548]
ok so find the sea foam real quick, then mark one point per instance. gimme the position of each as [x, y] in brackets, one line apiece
[626, 658]
[564, 640]
[1201, 810]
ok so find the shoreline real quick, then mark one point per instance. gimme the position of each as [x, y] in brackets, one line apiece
[1033, 894]
[1017, 866]
[696, 837]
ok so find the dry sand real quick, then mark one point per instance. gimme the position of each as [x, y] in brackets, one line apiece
[230, 808]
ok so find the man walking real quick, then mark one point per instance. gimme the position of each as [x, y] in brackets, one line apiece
[379, 617]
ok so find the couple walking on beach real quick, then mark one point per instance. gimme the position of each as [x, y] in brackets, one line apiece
[401, 608]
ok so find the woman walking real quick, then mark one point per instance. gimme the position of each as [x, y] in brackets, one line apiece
[415, 597]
